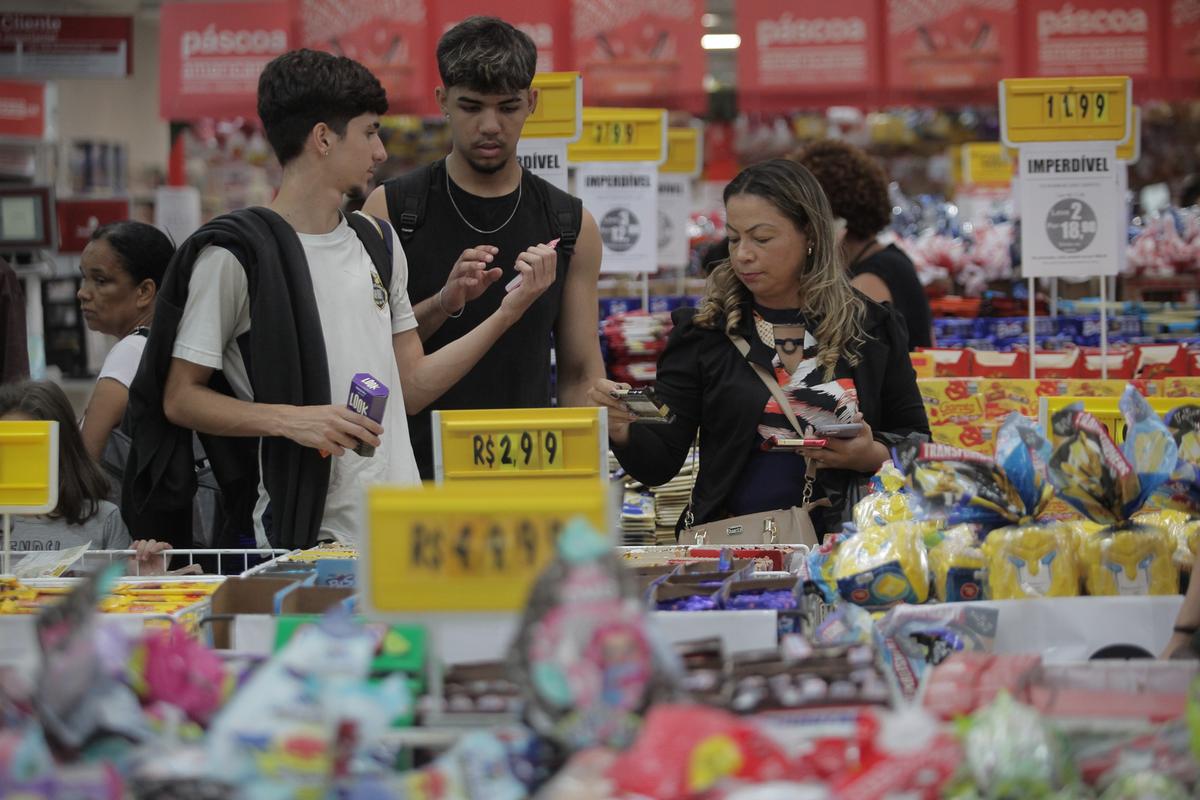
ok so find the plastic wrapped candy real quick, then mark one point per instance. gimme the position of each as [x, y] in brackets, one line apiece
[1012, 752]
[583, 651]
[171, 666]
[1181, 491]
[1026, 561]
[1109, 485]
[880, 567]
[1184, 529]
[887, 501]
[1145, 786]
[957, 565]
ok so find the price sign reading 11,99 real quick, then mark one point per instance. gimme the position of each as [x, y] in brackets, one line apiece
[1076, 108]
[517, 450]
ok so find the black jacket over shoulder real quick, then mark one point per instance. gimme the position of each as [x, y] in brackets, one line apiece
[285, 358]
[708, 384]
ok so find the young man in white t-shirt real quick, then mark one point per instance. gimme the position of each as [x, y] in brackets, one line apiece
[321, 115]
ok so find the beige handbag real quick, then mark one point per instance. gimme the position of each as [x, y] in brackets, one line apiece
[783, 526]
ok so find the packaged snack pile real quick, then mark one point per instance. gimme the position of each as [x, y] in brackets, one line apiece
[1109, 485]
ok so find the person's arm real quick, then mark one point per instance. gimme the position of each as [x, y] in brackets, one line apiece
[903, 409]
[104, 411]
[424, 378]
[470, 277]
[654, 453]
[576, 335]
[189, 403]
[872, 286]
[1188, 617]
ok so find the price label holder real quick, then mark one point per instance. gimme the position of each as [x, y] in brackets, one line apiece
[556, 121]
[1130, 150]
[988, 164]
[28, 473]
[517, 444]
[1085, 109]
[685, 157]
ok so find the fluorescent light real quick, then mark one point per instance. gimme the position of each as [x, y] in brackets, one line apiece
[720, 41]
[710, 20]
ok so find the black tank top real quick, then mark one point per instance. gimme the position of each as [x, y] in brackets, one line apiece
[515, 372]
[897, 272]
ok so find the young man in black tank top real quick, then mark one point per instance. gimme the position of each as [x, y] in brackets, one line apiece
[481, 214]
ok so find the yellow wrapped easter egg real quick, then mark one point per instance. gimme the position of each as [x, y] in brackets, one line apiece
[1036, 560]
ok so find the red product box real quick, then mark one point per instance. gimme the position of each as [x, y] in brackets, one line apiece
[1001, 365]
[1064, 364]
[1163, 361]
[951, 362]
[1122, 363]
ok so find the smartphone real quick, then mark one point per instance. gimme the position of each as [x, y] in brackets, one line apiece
[845, 431]
[645, 405]
[777, 443]
[515, 282]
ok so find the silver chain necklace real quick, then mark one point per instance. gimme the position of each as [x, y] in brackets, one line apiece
[450, 194]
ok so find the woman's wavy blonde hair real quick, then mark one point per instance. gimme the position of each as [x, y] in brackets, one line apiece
[825, 292]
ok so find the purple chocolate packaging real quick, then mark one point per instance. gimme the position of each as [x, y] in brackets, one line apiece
[368, 396]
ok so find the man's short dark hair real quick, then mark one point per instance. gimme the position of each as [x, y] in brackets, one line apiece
[303, 87]
[486, 55]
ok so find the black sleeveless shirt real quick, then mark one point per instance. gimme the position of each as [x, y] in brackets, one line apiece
[515, 372]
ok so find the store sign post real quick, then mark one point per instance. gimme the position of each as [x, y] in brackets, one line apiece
[685, 154]
[55, 46]
[617, 161]
[556, 121]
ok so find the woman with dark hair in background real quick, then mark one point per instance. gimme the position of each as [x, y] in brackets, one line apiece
[122, 267]
[857, 189]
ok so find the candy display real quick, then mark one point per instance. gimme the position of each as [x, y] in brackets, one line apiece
[1109, 485]
[879, 567]
[887, 502]
[1032, 561]
[957, 565]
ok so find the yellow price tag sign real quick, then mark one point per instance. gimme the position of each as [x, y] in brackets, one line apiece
[621, 134]
[685, 154]
[462, 548]
[28, 467]
[559, 110]
[1065, 109]
[520, 443]
[986, 164]
[1130, 150]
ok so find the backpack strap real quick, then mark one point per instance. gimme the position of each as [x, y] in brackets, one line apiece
[407, 197]
[567, 214]
[376, 237]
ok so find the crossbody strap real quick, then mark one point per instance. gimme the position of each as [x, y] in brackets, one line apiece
[772, 385]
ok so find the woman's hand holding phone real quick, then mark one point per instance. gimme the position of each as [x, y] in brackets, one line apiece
[860, 454]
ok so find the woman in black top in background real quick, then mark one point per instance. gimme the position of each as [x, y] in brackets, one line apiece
[857, 189]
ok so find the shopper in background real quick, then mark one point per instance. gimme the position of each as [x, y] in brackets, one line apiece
[83, 515]
[857, 189]
[289, 303]
[839, 357]
[122, 268]
[472, 215]
[14, 355]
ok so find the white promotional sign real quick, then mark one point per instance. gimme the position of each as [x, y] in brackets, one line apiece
[546, 158]
[1069, 207]
[674, 208]
[624, 200]
[177, 211]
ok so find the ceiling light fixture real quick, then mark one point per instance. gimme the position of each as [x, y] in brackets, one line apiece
[720, 41]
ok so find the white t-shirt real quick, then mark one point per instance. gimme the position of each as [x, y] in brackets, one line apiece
[358, 338]
[121, 363]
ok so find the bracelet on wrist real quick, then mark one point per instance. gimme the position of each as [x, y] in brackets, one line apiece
[442, 306]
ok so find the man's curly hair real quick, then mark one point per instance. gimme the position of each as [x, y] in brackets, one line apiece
[855, 184]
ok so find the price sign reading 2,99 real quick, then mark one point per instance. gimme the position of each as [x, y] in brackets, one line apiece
[517, 450]
[1067, 108]
[614, 133]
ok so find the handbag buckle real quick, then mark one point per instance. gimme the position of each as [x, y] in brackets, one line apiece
[770, 532]
[701, 537]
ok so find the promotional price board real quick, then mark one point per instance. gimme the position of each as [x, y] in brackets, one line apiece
[618, 158]
[682, 167]
[1069, 210]
[556, 121]
[986, 164]
[28, 472]
[1083, 109]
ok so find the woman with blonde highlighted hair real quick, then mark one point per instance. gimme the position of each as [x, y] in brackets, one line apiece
[841, 360]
